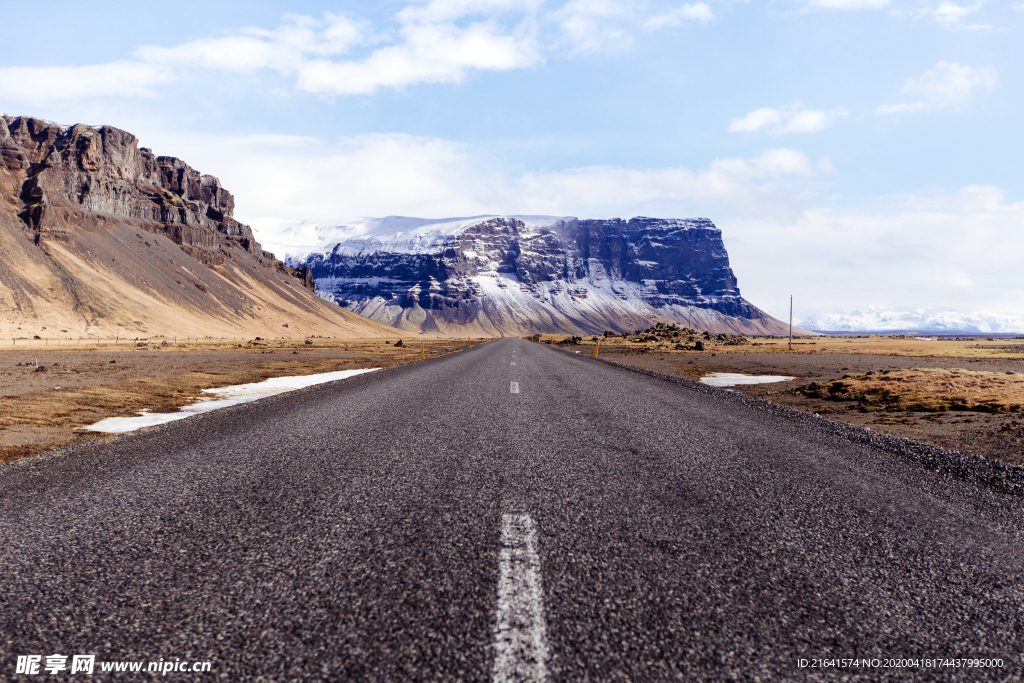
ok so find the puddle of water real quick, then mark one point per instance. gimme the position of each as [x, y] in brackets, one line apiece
[221, 398]
[731, 379]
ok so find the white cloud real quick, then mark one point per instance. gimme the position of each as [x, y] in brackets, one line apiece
[913, 253]
[284, 48]
[698, 12]
[950, 15]
[792, 119]
[590, 26]
[383, 174]
[947, 85]
[747, 185]
[440, 41]
[595, 25]
[431, 47]
[874, 318]
[847, 4]
[430, 53]
[46, 84]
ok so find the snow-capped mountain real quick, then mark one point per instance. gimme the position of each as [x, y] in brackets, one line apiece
[525, 274]
[920, 320]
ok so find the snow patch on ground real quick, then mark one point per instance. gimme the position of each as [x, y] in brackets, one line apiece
[731, 379]
[221, 398]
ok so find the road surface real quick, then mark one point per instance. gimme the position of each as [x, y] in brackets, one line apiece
[509, 512]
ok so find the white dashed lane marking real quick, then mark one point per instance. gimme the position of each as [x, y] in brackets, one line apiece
[514, 387]
[520, 635]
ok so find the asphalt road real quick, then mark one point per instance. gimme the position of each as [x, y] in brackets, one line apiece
[427, 523]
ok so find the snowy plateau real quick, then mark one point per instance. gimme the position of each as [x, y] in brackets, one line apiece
[513, 275]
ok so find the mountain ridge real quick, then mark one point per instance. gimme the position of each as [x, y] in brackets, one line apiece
[525, 274]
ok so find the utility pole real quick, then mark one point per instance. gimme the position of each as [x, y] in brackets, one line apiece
[790, 322]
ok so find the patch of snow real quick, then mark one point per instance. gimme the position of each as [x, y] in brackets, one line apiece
[731, 379]
[225, 396]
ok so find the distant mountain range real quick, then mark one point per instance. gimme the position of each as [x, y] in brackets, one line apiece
[921, 320]
[525, 274]
[100, 237]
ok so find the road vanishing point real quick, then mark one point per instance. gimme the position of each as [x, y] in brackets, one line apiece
[510, 512]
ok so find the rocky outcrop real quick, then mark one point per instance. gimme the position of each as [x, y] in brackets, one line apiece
[96, 232]
[103, 170]
[516, 275]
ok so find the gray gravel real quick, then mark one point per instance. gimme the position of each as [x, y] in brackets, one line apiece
[351, 531]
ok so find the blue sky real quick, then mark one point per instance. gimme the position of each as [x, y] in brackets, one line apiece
[863, 155]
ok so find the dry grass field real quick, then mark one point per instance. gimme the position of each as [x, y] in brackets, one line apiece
[41, 409]
[927, 390]
[872, 345]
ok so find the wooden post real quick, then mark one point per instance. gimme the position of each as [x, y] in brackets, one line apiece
[469, 342]
[790, 322]
[596, 347]
[423, 354]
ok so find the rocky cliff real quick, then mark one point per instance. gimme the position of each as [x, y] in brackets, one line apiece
[100, 236]
[518, 275]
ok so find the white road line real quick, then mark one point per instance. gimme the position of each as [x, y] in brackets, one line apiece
[514, 387]
[520, 635]
[513, 362]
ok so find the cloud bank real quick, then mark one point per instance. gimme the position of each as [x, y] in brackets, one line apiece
[439, 42]
[946, 86]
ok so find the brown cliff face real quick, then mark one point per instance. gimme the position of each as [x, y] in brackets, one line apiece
[102, 236]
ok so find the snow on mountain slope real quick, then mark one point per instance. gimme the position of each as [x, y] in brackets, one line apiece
[397, 234]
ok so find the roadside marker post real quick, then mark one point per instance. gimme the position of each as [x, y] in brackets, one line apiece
[469, 342]
[790, 322]
[423, 354]
[596, 347]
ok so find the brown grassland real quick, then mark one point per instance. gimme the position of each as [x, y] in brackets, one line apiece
[80, 385]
